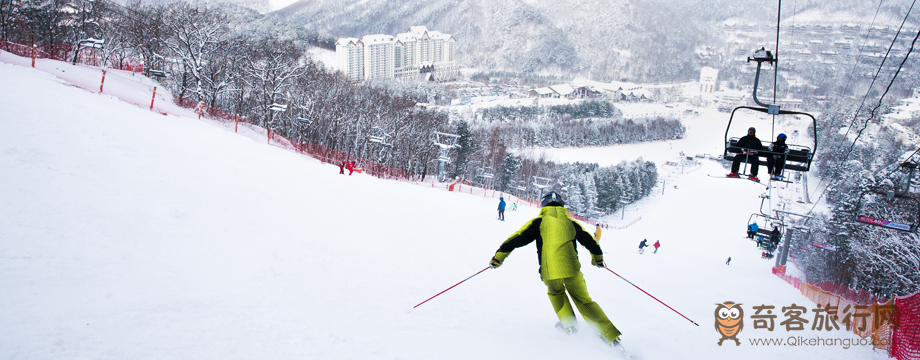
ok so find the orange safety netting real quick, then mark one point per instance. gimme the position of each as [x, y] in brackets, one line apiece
[905, 337]
[894, 325]
[65, 52]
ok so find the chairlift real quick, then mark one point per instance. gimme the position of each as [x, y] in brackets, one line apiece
[487, 172]
[91, 43]
[540, 183]
[277, 107]
[159, 72]
[799, 157]
[304, 120]
[87, 43]
[445, 141]
[893, 199]
[381, 138]
[765, 224]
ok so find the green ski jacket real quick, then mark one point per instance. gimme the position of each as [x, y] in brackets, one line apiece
[555, 233]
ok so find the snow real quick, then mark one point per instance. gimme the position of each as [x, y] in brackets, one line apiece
[127, 234]
[325, 57]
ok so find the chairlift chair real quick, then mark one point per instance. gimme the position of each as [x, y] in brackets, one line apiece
[158, 73]
[891, 197]
[799, 157]
[445, 141]
[277, 107]
[768, 223]
[87, 43]
[304, 120]
[540, 183]
[381, 138]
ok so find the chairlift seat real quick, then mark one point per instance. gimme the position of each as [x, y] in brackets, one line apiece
[277, 107]
[798, 158]
[158, 73]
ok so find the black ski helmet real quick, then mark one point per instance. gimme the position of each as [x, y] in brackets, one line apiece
[552, 198]
[752, 130]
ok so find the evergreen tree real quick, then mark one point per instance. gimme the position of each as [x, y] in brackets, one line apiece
[467, 147]
[590, 194]
[511, 167]
[576, 198]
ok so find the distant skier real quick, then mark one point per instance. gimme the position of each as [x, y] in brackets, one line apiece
[501, 208]
[752, 230]
[514, 207]
[642, 246]
[556, 234]
[728, 261]
[351, 167]
[657, 245]
[342, 167]
[776, 162]
[597, 233]
[749, 145]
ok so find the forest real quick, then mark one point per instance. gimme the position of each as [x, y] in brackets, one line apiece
[859, 176]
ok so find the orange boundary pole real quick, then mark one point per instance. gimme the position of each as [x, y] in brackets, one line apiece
[152, 98]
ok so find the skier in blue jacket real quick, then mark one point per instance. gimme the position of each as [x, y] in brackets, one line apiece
[752, 230]
[501, 208]
[642, 246]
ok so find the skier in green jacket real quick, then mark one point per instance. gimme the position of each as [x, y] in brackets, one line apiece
[556, 233]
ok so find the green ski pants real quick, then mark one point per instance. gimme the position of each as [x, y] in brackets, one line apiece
[589, 309]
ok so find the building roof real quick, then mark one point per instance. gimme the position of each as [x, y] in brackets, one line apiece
[543, 91]
[346, 41]
[418, 31]
[377, 39]
[562, 89]
[405, 37]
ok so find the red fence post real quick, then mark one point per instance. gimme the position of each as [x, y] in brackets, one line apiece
[237, 127]
[103, 81]
[34, 50]
[200, 108]
[153, 97]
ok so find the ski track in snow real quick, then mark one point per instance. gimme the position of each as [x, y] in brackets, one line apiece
[127, 234]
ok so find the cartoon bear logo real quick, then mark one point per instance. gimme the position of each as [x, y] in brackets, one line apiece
[729, 321]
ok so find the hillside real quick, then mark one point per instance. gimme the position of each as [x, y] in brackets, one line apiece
[643, 41]
[129, 234]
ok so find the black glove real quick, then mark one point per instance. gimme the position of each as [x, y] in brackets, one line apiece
[598, 260]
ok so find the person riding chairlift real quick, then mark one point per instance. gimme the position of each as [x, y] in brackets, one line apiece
[776, 162]
[749, 145]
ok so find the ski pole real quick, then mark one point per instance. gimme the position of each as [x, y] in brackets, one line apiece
[662, 303]
[445, 290]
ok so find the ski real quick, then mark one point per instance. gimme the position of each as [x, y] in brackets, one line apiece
[740, 178]
[625, 353]
[618, 346]
[566, 330]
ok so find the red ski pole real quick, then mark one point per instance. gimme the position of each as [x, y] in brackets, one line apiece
[445, 290]
[662, 303]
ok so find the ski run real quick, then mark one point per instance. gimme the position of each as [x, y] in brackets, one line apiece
[127, 234]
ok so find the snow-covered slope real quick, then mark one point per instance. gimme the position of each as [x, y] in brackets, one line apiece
[126, 234]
